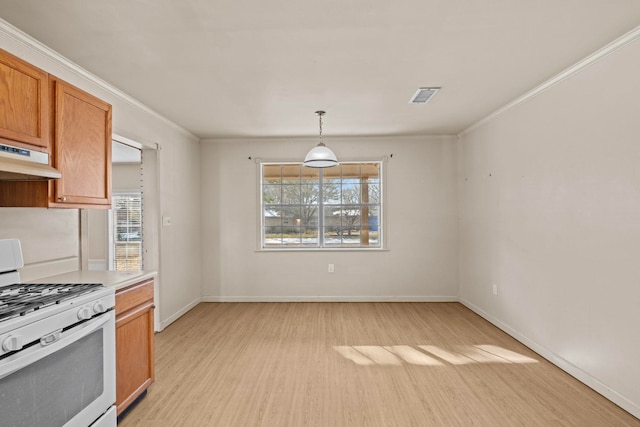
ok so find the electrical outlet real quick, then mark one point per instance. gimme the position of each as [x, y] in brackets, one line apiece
[331, 268]
[495, 289]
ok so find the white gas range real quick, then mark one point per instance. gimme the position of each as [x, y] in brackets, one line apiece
[57, 350]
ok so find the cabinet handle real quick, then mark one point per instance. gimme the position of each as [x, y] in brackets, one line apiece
[62, 198]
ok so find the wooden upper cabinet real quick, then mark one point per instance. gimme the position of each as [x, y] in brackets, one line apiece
[41, 112]
[81, 147]
[24, 103]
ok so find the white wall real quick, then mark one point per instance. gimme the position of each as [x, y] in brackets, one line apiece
[421, 260]
[98, 235]
[550, 212]
[178, 168]
[180, 243]
[50, 239]
[126, 177]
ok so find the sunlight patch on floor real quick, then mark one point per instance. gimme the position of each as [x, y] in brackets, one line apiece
[354, 355]
[412, 356]
[447, 356]
[396, 355]
[512, 356]
[378, 355]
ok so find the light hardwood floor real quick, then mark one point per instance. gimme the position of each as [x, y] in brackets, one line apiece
[357, 364]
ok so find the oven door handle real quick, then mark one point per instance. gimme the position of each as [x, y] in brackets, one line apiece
[38, 351]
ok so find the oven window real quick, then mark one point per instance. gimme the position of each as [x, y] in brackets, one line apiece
[56, 388]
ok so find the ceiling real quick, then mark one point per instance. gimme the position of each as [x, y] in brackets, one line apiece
[253, 68]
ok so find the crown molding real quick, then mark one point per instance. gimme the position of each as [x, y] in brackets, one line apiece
[44, 50]
[598, 55]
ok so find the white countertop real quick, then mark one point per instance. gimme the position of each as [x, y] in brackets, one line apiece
[115, 279]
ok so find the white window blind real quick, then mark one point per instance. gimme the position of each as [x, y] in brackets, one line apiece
[127, 231]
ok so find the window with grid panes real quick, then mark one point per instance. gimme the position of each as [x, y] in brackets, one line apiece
[337, 207]
[127, 231]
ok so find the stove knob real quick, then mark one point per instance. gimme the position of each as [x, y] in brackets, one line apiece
[85, 313]
[12, 343]
[99, 307]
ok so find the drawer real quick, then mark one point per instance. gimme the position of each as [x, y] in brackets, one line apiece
[134, 295]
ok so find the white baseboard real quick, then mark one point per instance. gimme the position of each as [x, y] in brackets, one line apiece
[216, 298]
[175, 316]
[560, 362]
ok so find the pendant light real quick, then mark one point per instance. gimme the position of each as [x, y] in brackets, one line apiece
[320, 156]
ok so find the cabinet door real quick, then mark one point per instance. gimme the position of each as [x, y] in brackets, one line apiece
[134, 342]
[134, 355]
[24, 103]
[81, 147]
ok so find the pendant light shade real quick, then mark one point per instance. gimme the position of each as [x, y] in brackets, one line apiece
[320, 156]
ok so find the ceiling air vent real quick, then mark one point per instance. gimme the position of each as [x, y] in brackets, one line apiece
[423, 95]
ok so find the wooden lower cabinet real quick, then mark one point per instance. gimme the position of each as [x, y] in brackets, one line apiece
[134, 342]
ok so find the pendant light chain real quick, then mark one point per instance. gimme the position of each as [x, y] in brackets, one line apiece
[320, 114]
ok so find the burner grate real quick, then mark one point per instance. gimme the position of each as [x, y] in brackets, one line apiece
[21, 299]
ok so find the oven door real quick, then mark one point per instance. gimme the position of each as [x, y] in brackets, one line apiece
[68, 382]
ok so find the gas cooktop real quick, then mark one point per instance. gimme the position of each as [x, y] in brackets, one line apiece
[21, 299]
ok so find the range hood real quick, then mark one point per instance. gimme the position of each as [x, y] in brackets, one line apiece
[20, 164]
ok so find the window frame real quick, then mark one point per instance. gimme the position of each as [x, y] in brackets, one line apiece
[321, 246]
